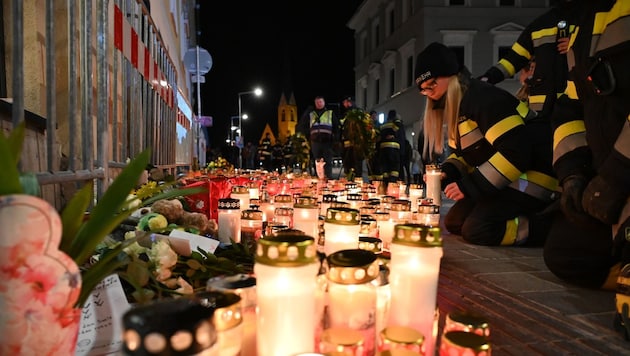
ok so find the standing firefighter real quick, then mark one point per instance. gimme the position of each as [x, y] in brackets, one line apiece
[390, 146]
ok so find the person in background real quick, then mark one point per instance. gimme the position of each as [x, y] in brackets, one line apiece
[374, 163]
[277, 157]
[249, 155]
[405, 162]
[264, 152]
[499, 170]
[391, 147]
[589, 244]
[321, 125]
[351, 152]
[544, 39]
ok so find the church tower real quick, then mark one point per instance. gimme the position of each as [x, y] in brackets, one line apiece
[287, 117]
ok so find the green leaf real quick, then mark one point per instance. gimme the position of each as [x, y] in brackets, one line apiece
[107, 215]
[10, 149]
[73, 215]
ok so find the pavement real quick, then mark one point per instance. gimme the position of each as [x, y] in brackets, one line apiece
[529, 310]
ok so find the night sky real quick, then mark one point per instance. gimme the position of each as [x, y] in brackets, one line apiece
[281, 46]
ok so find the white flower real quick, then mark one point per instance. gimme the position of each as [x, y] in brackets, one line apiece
[164, 259]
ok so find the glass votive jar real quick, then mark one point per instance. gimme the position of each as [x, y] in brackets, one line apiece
[243, 285]
[228, 220]
[327, 199]
[341, 230]
[428, 214]
[467, 321]
[341, 341]
[241, 193]
[434, 183]
[400, 211]
[355, 200]
[251, 228]
[352, 188]
[286, 269]
[393, 189]
[177, 327]
[283, 201]
[352, 298]
[462, 343]
[367, 208]
[369, 227]
[305, 216]
[254, 190]
[386, 202]
[283, 216]
[400, 338]
[415, 192]
[227, 319]
[372, 244]
[385, 226]
[416, 252]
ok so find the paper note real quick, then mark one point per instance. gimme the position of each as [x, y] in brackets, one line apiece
[101, 326]
[207, 244]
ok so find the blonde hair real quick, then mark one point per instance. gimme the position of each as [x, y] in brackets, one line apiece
[436, 119]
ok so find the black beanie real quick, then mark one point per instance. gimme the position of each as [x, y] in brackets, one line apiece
[436, 60]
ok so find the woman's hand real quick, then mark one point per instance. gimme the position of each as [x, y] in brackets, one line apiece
[452, 192]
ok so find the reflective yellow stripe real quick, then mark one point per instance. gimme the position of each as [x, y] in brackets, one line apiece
[494, 176]
[502, 127]
[615, 27]
[538, 99]
[568, 144]
[509, 68]
[466, 126]
[521, 51]
[522, 109]
[390, 145]
[567, 129]
[571, 90]
[505, 167]
[511, 227]
[541, 179]
[552, 31]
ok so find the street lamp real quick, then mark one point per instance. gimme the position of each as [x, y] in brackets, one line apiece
[257, 92]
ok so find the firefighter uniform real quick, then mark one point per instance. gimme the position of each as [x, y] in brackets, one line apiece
[392, 135]
[500, 158]
[538, 42]
[592, 152]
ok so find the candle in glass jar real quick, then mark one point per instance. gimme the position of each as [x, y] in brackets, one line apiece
[305, 216]
[283, 216]
[462, 343]
[385, 226]
[341, 230]
[400, 338]
[227, 319]
[415, 193]
[251, 227]
[327, 199]
[286, 269]
[229, 220]
[352, 298]
[434, 183]
[241, 193]
[467, 321]
[416, 252]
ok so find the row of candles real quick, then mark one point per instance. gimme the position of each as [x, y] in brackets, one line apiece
[373, 288]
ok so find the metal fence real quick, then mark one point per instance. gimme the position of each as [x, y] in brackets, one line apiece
[108, 83]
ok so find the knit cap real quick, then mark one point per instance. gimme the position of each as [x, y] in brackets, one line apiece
[436, 60]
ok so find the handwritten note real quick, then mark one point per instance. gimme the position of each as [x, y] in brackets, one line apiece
[101, 326]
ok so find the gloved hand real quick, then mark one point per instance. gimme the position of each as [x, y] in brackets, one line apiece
[603, 201]
[571, 199]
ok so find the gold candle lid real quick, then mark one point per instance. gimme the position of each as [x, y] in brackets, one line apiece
[388, 199]
[372, 244]
[229, 203]
[470, 320]
[401, 205]
[342, 216]
[401, 335]
[344, 337]
[381, 216]
[463, 339]
[240, 189]
[251, 214]
[305, 202]
[417, 235]
[329, 198]
[227, 308]
[353, 266]
[286, 250]
[283, 198]
[354, 197]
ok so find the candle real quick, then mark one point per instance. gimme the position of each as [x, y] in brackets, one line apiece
[305, 216]
[352, 298]
[400, 211]
[251, 227]
[385, 226]
[400, 338]
[416, 252]
[227, 319]
[462, 343]
[428, 215]
[434, 183]
[327, 199]
[241, 193]
[228, 221]
[341, 230]
[466, 321]
[283, 216]
[286, 269]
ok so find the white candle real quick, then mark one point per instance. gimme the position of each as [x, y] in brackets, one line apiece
[286, 271]
[241, 193]
[229, 220]
[305, 216]
[434, 184]
[416, 252]
[341, 230]
[385, 226]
